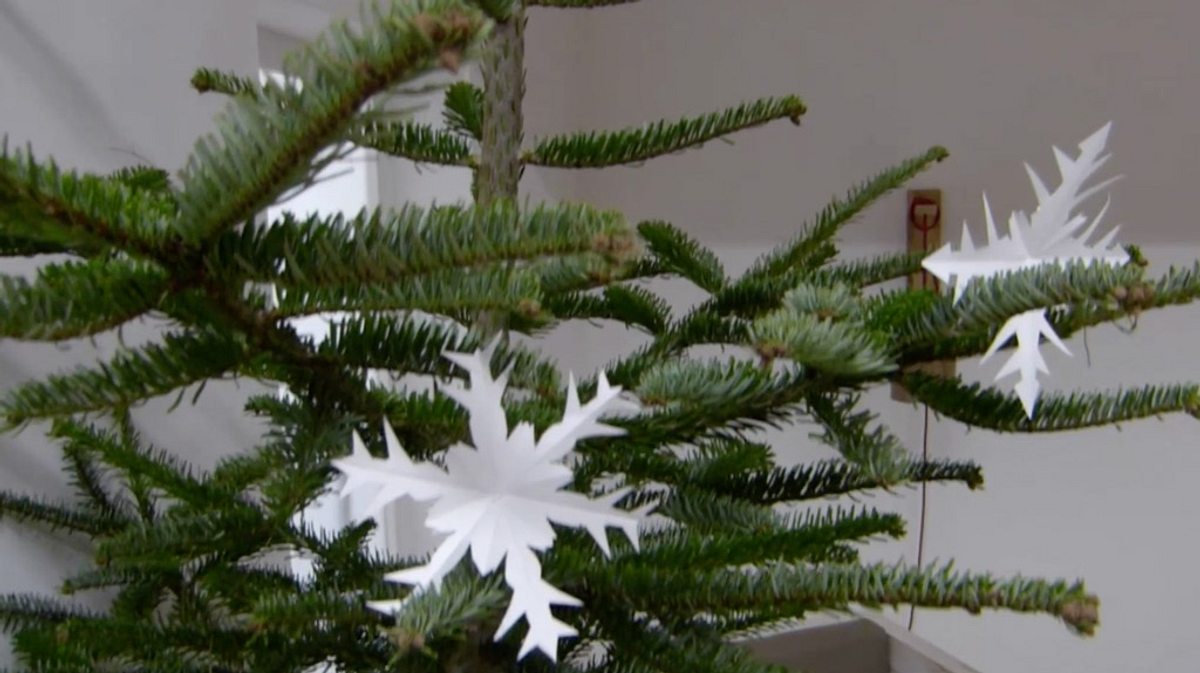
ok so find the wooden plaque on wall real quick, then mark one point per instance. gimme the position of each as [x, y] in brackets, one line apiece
[923, 224]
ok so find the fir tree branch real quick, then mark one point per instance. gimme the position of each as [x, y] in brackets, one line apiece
[108, 578]
[145, 645]
[647, 644]
[301, 473]
[142, 498]
[830, 478]
[406, 139]
[26, 246]
[343, 560]
[266, 144]
[218, 307]
[568, 286]
[462, 600]
[209, 80]
[497, 10]
[56, 516]
[608, 665]
[822, 328]
[627, 304]
[45, 209]
[684, 387]
[611, 148]
[694, 330]
[203, 536]
[808, 250]
[453, 293]
[745, 471]
[302, 435]
[749, 298]
[835, 301]
[147, 178]
[718, 321]
[339, 388]
[464, 110]
[18, 611]
[715, 460]
[874, 449]
[678, 253]
[837, 348]
[159, 468]
[379, 246]
[75, 299]
[139, 599]
[417, 142]
[805, 537]
[40, 648]
[298, 469]
[988, 304]
[410, 345]
[864, 273]
[132, 376]
[1177, 287]
[241, 586]
[986, 408]
[88, 478]
[294, 612]
[687, 400]
[240, 472]
[577, 4]
[802, 588]
[706, 513]
[425, 423]
[616, 260]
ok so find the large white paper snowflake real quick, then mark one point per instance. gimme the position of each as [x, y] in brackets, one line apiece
[1054, 234]
[498, 499]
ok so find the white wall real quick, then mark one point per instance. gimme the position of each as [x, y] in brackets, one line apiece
[997, 83]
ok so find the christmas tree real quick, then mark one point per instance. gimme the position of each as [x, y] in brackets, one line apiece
[713, 545]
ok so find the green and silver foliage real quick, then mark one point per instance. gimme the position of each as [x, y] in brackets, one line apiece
[184, 554]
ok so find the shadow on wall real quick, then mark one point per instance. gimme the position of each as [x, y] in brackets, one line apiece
[25, 50]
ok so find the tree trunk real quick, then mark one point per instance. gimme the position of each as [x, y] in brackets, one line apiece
[503, 66]
[498, 177]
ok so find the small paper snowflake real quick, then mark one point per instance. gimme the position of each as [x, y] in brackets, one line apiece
[498, 499]
[1054, 234]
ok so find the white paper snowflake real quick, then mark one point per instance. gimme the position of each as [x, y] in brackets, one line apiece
[1054, 234]
[499, 498]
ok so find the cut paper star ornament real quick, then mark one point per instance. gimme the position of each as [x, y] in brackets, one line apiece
[498, 499]
[1055, 234]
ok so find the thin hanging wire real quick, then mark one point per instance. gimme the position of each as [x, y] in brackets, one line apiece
[912, 610]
